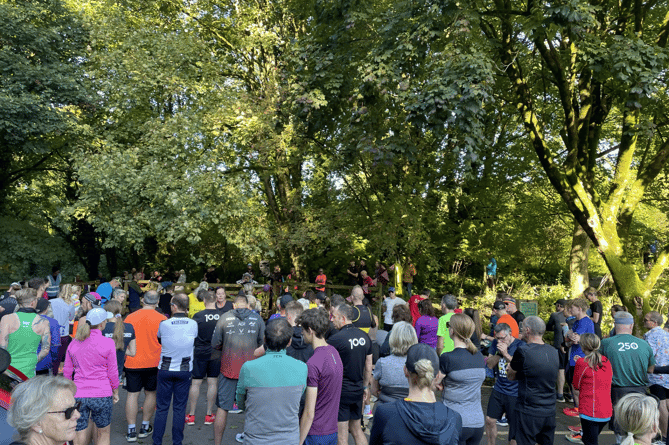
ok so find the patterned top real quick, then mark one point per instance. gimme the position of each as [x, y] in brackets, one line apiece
[658, 339]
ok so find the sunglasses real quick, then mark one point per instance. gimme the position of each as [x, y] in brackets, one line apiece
[68, 412]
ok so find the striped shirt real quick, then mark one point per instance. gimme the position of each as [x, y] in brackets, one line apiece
[177, 336]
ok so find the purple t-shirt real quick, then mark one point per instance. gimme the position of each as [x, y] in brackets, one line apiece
[426, 329]
[325, 372]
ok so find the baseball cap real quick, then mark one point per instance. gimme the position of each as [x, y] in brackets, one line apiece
[249, 264]
[421, 351]
[391, 289]
[285, 299]
[561, 302]
[15, 284]
[499, 305]
[94, 298]
[96, 316]
[321, 296]
[508, 299]
[42, 305]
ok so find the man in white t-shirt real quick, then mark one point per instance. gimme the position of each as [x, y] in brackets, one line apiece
[389, 303]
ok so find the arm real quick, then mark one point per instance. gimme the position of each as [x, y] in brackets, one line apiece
[68, 367]
[217, 337]
[41, 328]
[375, 388]
[4, 331]
[241, 389]
[493, 361]
[309, 411]
[596, 316]
[440, 344]
[131, 350]
[112, 373]
[515, 364]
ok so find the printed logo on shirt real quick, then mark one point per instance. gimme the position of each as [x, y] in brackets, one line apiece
[355, 342]
[625, 346]
[211, 317]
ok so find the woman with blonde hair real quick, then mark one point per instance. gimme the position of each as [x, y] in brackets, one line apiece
[639, 417]
[592, 379]
[91, 363]
[389, 382]
[418, 418]
[196, 299]
[464, 371]
[43, 411]
[64, 309]
[122, 333]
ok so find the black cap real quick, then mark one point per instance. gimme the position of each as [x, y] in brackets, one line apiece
[321, 296]
[421, 351]
[42, 305]
[284, 300]
[499, 305]
[561, 302]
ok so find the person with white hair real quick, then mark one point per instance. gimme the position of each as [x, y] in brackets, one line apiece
[638, 417]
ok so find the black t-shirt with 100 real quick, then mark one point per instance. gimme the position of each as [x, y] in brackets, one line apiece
[353, 345]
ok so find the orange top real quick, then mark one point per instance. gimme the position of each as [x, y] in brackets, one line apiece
[146, 323]
[321, 279]
[508, 319]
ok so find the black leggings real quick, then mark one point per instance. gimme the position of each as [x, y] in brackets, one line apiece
[590, 431]
[471, 436]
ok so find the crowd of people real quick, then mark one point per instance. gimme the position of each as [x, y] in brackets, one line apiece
[320, 367]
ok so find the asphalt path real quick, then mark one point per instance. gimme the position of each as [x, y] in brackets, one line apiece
[204, 434]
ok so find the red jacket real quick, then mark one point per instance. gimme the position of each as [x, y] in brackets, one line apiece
[413, 307]
[594, 385]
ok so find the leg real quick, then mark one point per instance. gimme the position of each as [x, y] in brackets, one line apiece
[165, 389]
[356, 431]
[83, 437]
[131, 403]
[342, 433]
[180, 387]
[194, 393]
[149, 405]
[560, 382]
[211, 394]
[104, 435]
[219, 425]
[491, 429]
[664, 417]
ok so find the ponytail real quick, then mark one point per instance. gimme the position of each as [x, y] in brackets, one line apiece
[471, 347]
[425, 373]
[115, 307]
[590, 344]
[84, 330]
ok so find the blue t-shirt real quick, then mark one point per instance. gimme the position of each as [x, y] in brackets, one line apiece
[491, 268]
[502, 384]
[583, 326]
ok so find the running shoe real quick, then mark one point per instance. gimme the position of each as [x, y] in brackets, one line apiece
[235, 409]
[190, 419]
[503, 422]
[560, 399]
[574, 438]
[131, 436]
[367, 414]
[208, 420]
[144, 432]
[574, 428]
[568, 397]
[239, 437]
[573, 412]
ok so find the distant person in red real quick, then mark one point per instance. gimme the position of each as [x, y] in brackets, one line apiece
[366, 283]
[413, 304]
[321, 279]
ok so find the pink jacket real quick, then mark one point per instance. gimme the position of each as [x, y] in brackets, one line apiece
[92, 363]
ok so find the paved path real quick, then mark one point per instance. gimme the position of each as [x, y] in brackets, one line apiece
[204, 434]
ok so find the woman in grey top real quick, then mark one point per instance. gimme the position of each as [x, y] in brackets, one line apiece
[389, 382]
[464, 370]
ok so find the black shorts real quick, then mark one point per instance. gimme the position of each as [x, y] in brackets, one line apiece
[139, 378]
[203, 367]
[498, 405]
[659, 391]
[532, 429]
[227, 391]
[563, 359]
[569, 375]
[350, 408]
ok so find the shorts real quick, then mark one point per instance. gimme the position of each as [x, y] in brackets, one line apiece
[659, 391]
[97, 408]
[569, 375]
[562, 359]
[227, 390]
[350, 408]
[498, 404]
[136, 379]
[532, 429]
[203, 367]
[329, 439]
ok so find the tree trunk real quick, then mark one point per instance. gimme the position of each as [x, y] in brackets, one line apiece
[579, 279]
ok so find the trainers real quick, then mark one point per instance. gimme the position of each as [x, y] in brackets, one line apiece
[367, 414]
[503, 422]
[190, 419]
[568, 397]
[573, 412]
[574, 438]
[239, 437]
[208, 420]
[144, 432]
[235, 409]
[131, 436]
[574, 428]
[560, 399]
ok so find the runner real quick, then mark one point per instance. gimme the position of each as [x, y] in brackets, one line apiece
[444, 341]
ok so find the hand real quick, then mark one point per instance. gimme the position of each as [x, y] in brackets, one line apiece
[502, 347]
[575, 337]
[115, 397]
